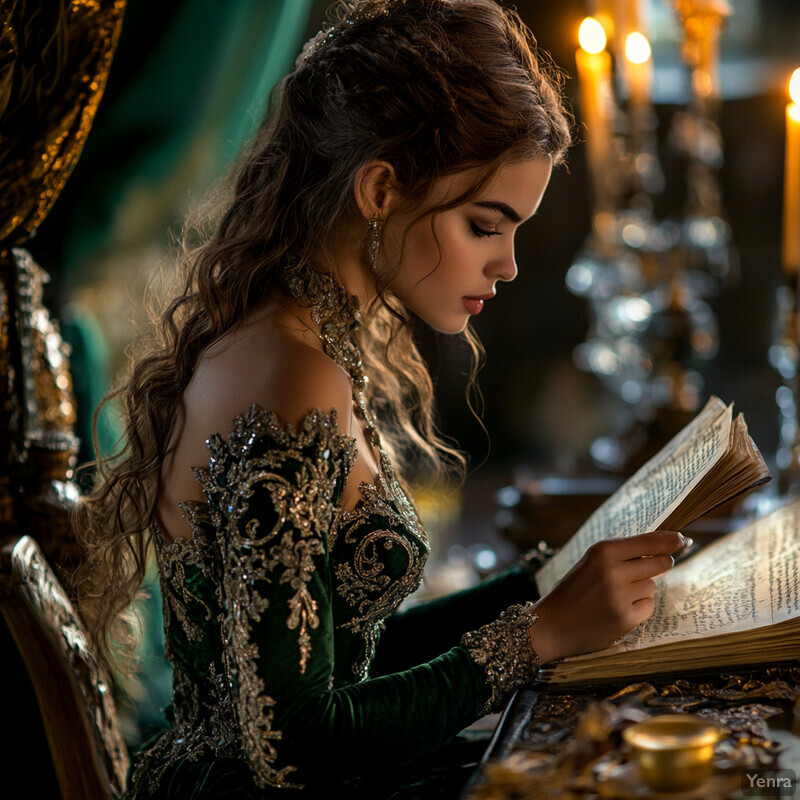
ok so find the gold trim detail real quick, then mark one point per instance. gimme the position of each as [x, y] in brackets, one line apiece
[504, 649]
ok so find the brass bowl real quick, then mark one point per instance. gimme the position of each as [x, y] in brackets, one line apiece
[673, 752]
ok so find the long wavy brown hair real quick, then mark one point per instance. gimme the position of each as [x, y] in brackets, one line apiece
[434, 87]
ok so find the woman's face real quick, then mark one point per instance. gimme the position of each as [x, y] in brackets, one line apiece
[452, 262]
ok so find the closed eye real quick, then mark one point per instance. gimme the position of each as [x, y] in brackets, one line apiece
[481, 232]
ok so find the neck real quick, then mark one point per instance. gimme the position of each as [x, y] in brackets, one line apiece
[331, 313]
[344, 259]
[321, 302]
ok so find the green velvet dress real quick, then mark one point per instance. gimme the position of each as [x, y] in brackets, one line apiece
[294, 672]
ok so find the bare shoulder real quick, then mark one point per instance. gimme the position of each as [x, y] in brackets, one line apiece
[261, 362]
[286, 374]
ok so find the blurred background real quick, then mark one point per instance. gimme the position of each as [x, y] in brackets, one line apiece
[692, 256]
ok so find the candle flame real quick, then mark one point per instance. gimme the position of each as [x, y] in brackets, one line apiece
[637, 48]
[591, 36]
[794, 86]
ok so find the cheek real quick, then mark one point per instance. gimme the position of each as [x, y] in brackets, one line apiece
[432, 265]
[448, 250]
[416, 257]
[422, 250]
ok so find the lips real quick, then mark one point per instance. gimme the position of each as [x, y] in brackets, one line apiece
[474, 305]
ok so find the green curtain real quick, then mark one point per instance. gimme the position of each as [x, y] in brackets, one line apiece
[180, 118]
[187, 88]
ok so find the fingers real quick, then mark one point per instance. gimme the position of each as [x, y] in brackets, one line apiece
[642, 609]
[642, 604]
[637, 569]
[643, 590]
[607, 593]
[648, 544]
[631, 614]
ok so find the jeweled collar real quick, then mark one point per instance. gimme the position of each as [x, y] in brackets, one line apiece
[336, 313]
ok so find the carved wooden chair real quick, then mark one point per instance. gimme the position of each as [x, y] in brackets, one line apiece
[74, 693]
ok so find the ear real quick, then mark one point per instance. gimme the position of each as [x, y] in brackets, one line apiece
[374, 189]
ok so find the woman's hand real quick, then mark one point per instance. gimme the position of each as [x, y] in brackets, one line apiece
[604, 596]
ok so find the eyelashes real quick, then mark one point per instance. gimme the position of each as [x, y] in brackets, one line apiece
[481, 233]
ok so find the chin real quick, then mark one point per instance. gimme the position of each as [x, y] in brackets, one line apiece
[449, 324]
[449, 327]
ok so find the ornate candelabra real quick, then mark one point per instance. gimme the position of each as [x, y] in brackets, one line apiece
[648, 280]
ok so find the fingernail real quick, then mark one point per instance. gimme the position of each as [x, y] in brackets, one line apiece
[688, 542]
[672, 559]
[682, 538]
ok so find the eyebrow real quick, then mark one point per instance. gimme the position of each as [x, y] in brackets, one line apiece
[503, 208]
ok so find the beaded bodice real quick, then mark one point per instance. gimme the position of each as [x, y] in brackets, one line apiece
[279, 580]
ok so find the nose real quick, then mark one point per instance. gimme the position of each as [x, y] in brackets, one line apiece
[505, 267]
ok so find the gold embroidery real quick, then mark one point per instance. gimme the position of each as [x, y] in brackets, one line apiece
[364, 583]
[305, 503]
[195, 733]
[298, 474]
[317, 458]
[296, 557]
[504, 649]
[183, 553]
[363, 588]
[255, 549]
[336, 314]
[203, 725]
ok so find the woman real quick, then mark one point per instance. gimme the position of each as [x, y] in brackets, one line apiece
[396, 163]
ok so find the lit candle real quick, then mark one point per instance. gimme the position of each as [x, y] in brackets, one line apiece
[606, 12]
[791, 182]
[626, 21]
[618, 18]
[632, 15]
[594, 75]
[638, 69]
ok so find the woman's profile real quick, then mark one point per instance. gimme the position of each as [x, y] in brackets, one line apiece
[270, 425]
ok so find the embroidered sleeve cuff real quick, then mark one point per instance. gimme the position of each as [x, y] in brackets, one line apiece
[503, 648]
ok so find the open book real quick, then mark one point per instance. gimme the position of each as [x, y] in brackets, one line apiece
[735, 603]
[727, 591]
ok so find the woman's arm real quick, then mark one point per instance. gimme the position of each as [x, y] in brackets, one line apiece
[275, 491]
[275, 494]
[423, 631]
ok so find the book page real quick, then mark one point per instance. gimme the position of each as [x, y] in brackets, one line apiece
[748, 579]
[652, 493]
[783, 548]
[753, 572]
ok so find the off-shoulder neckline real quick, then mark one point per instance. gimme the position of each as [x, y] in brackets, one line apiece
[196, 511]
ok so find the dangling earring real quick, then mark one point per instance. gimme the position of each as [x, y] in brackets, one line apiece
[373, 243]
